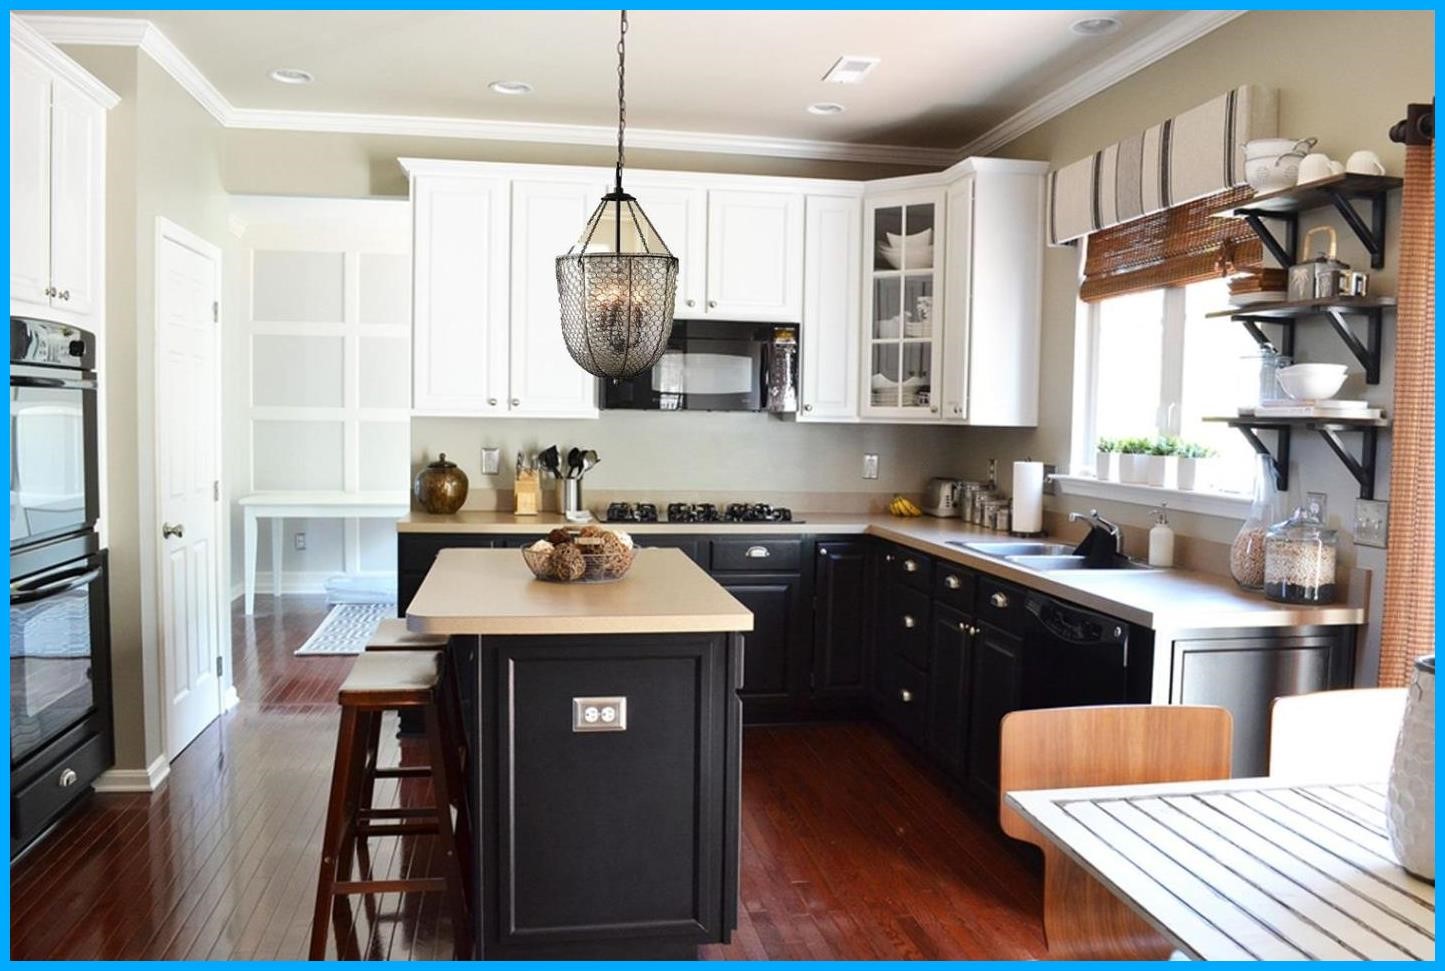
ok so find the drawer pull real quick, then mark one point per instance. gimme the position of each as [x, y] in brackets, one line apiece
[974, 630]
[68, 778]
[951, 581]
[888, 558]
[964, 627]
[910, 566]
[908, 621]
[758, 553]
[999, 600]
[905, 696]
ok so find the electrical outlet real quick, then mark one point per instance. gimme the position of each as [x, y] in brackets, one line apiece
[599, 714]
[300, 541]
[1372, 519]
[870, 465]
[491, 460]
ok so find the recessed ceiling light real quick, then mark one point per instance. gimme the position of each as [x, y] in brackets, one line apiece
[510, 87]
[850, 69]
[291, 75]
[825, 108]
[1093, 26]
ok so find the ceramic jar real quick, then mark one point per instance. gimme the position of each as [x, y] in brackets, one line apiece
[441, 487]
[1410, 801]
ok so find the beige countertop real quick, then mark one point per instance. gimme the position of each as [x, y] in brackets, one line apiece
[470, 591]
[1164, 600]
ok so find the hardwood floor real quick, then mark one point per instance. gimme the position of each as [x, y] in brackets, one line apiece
[852, 848]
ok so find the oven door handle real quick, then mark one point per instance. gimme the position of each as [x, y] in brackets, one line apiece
[27, 381]
[25, 595]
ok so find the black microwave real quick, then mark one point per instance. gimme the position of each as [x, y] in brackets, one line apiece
[712, 365]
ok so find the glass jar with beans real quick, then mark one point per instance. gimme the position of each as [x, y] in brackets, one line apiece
[1299, 558]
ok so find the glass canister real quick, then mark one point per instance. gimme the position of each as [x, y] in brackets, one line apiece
[1246, 554]
[1299, 558]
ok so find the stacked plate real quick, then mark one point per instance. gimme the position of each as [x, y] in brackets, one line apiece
[913, 252]
[886, 393]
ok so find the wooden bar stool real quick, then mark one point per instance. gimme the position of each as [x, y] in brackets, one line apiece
[379, 682]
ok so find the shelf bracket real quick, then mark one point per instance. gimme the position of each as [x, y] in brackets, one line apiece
[1373, 235]
[1279, 458]
[1363, 468]
[1368, 353]
[1283, 254]
[1251, 323]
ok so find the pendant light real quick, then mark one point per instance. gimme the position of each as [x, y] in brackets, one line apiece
[617, 283]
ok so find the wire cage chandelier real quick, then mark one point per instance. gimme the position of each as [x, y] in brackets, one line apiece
[616, 284]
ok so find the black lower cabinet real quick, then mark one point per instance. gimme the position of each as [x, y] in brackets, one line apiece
[950, 671]
[841, 622]
[607, 844]
[995, 690]
[775, 650]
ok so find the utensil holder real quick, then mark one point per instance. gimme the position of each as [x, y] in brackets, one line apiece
[569, 495]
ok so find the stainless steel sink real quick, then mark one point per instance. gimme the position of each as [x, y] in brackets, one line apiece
[1047, 564]
[1015, 549]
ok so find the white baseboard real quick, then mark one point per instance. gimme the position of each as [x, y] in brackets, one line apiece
[148, 779]
[296, 581]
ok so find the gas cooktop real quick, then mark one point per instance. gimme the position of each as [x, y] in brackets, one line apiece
[739, 513]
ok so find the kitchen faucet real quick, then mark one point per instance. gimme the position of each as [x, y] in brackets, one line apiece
[1096, 521]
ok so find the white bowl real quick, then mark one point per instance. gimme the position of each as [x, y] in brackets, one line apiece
[1312, 382]
[924, 238]
[913, 258]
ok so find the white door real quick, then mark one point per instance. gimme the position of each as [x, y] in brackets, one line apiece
[679, 214]
[188, 423]
[29, 179]
[958, 310]
[755, 256]
[77, 185]
[459, 295]
[547, 218]
[829, 338]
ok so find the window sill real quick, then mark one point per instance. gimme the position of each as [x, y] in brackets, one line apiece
[1227, 504]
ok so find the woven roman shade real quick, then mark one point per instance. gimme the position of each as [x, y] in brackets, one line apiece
[1169, 248]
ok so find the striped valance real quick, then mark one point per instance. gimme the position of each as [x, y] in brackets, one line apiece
[1187, 157]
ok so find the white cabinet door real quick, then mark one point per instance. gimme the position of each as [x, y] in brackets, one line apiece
[755, 256]
[958, 309]
[459, 295]
[679, 214]
[77, 191]
[829, 337]
[29, 179]
[547, 218]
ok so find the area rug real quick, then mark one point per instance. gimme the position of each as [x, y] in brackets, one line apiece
[346, 629]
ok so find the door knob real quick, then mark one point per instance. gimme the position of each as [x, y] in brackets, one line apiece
[516, 402]
[52, 292]
[692, 303]
[492, 402]
[64, 294]
[712, 303]
[951, 581]
[905, 696]
[807, 407]
[910, 566]
[908, 621]
[172, 529]
[999, 600]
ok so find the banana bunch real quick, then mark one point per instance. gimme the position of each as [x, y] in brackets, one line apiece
[903, 506]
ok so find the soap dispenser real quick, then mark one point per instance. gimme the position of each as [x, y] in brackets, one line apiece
[1161, 539]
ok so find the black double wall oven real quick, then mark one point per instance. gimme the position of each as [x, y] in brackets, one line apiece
[60, 717]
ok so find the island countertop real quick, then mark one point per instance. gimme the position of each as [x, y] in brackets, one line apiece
[491, 592]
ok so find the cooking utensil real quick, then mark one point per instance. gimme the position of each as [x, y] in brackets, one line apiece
[550, 460]
[574, 463]
[589, 459]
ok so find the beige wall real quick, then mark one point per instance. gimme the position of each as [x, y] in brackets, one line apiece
[1344, 77]
[162, 159]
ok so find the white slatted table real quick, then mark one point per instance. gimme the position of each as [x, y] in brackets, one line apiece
[1248, 869]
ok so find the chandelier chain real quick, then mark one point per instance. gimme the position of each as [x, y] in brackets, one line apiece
[621, 94]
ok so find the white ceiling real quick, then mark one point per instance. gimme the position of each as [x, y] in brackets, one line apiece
[946, 77]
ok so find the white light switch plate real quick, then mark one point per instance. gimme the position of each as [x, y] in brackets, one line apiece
[870, 465]
[1372, 518]
[491, 461]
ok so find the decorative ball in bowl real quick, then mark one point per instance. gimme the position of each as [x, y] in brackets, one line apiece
[1312, 382]
[592, 554]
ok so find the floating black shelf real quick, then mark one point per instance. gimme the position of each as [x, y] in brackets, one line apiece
[1285, 205]
[1363, 468]
[1335, 311]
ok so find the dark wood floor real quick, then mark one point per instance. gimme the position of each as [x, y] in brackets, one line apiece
[852, 849]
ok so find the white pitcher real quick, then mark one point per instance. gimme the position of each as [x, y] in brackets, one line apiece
[1410, 803]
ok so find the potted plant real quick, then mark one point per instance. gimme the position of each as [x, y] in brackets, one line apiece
[1106, 460]
[1196, 466]
[1163, 462]
[1134, 460]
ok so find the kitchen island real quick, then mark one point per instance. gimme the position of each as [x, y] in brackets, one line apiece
[604, 744]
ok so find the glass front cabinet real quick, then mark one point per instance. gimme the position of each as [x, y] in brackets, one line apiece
[902, 300]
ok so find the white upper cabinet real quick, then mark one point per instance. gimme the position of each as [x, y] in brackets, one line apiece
[547, 218]
[957, 281]
[459, 294]
[755, 255]
[829, 337]
[679, 214]
[57, 185]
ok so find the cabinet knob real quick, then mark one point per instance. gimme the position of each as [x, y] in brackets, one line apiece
[910, 566]
[692, 303]
[822, 551]
[172, 529]
[963, 626]
[68, 778]
[951, 581]
[934, 409]
[975, 630]
[516, 402]
[905, 696]
[712, 303]
[64, 294]
[887, 557]
[999, 600]
[492, 402]
[909, 622]
[757, 553]
[51, 292]
[807, 407]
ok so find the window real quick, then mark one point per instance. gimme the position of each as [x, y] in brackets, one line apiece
[1158, 366]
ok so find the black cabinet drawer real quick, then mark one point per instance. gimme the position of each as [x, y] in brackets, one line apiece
[34, 805]
[691, 545]
[954, 585]
[416, 551]
[905, 698]
[908, 567]
[904, 624]
[1000, 604]
[756, 555]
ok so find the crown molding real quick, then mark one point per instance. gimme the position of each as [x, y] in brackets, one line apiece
[1179, 32]
[24, 36]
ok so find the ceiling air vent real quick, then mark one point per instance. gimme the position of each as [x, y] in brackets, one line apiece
[850, 69]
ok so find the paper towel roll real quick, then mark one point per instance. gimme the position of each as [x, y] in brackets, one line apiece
[1028, 516]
